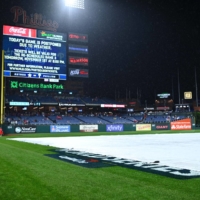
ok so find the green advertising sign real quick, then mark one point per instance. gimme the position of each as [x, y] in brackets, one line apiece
[51, 35]
[24, 85]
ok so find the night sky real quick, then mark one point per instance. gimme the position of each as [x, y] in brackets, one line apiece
[143, 45]
[132, 44]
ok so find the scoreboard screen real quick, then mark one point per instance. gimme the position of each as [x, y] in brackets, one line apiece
[31, 53]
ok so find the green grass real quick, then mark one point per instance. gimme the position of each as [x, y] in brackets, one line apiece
[99, 133]
[27, 174]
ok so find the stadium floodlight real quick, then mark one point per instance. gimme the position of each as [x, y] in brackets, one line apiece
[75, 3]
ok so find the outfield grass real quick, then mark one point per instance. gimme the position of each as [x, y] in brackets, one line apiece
[74, 134]
[27, 174]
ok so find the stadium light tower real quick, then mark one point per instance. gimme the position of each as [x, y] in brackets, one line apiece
[75, 3]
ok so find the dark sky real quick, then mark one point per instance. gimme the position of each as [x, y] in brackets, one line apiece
[142, 44]
[132, 44]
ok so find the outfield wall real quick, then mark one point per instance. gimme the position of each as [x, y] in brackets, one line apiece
[186, 124]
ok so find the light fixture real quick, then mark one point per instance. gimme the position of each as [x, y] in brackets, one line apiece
[75, 3]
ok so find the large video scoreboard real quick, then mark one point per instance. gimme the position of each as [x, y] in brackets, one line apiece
[31, 53]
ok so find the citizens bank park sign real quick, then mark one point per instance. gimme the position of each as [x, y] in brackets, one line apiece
[92, 160]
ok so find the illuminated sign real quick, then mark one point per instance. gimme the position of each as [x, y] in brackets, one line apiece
[68, 104]
[148, 108]
[14, 103]
[19, 31]
[78, 49]
[35, 103]
[73, 60]
[163, 108]
[112, 106]
[27, 55]
[35, 20]
[17, 85]
[82, 73]
[187, 95]
[78, 37]
[132, 103]
[163, 95]
[51, 35]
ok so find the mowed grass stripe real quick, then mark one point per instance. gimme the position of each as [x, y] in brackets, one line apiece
[28, 174]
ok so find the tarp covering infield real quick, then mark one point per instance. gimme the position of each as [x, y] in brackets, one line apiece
[173, 155]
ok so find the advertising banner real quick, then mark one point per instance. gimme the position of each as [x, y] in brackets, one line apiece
[163, 108]
[73, 48]
[19, 31]
[115, 128]
[43, 34]
[15, 103]
[73, 60]
[112, 106]
[163, 95]
[143, 127]
[88, 128]
[148, 108]
[161, 126]
[183, 124]
[69, 104]
[77, 37]
[60, 129]
[82, 73]
[25, 129]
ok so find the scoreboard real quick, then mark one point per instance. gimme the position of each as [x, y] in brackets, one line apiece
[31, 53]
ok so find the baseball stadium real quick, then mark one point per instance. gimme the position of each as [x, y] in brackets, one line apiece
[61, 140]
